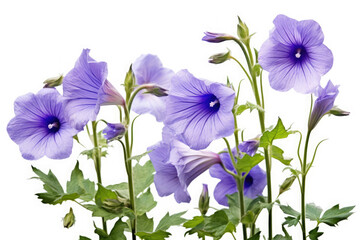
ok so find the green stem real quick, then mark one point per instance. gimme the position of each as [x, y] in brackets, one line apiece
[303, 170]
[253, 227]
[97, 162]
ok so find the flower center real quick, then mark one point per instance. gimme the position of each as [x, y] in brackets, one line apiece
[248, 181]
[298, 53]
[53, 124]
[212, 102]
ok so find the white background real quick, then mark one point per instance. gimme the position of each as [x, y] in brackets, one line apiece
[41, 39]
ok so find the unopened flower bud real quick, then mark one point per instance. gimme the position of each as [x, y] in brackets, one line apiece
[53, 82]
[338, 112]
[219, 58]
[114, 131]
[243, 32]
[204, 200]
[69, 219]
[156, 90]
[116, 205]
[216, 37]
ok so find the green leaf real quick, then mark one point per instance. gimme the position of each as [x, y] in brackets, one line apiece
[101, 212]
[54, 192]
[280, 237]
[197, 226]
[117, 232]
[255, 237]
[219, 224]
[145, 224]
[145, 202]
[335, 214]
[278, 132]
[241, 108]
[194, 222]
[158, 235]
[313, 212]
[91, 153]
[138, 157]
[233, 211]
[143, 176]
[292, 221]
[246, 163]
[315, 234]
[122, 189]
[84, 238]
[103, 194]
[248, 218]
[289, 211]
[285, 186]
[77, 184]
[170, 220]
[277, 153]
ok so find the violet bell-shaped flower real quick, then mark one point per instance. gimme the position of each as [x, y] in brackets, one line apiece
[176, 166]
[86, 88]
[254, 183]
[199, 111]
[323, 104]
[148, 70]
[40, 127]
[294, 55]
[114, 131]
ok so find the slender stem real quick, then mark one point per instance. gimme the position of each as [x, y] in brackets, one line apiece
[97, 162]
[303, 170]
[242, 67]
[137, 90]
[253, 227]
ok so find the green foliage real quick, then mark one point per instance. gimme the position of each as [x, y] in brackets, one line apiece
[255, 237]
[215, 225]
[143, 176]
[170, 220]
[91, 153]
[158, 235]
[121, 189]
[285, 186]
[54, 192]
[239, 109]
[247, 162]
[335, 214]
[277, 153]
[315, 234]
[294, 217]
[117, 233]
[84, 238]
[103, 194]
[138, 157]
[145, 224]
[278, 132]
[313, 212]
[233, 211]
[145, 202]
[78, 184]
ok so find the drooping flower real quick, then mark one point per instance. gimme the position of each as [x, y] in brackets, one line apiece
[216, 37]
[323, 104]
[86, 88]
[40, 127]
[148, 70]
[254, 183]
[199, 111]
[113, 130]
[177, 165]
[294, 55]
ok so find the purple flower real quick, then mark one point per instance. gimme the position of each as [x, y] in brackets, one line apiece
[148, 70]
[86, 88]
[177, 166]
[114, 130]
[216, 37]
[254, 184]
[199, 111]
[249, 147]
[295, 55]
[40, 127]
[323, 104]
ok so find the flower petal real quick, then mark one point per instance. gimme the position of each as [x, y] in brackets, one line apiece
[321, 58]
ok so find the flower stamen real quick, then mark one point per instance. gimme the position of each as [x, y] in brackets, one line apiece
[53, 125]
[298, 53]
[213, 103]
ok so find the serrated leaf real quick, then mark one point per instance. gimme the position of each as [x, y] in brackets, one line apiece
[289, 211]
[121, 188]
[315, 234]
[101, 212]
[278, 132]
[335, 214]
[158, 235]
[247, 162]
[285, 186]
[241, 108]
[277, 153]
[219, 224]
[144, 224]
[170, 220]
[233, 211]
[255, 237]
[103, 194]
[292, 221]
[313, 212]
[91, 153]
[143, 177]
[280, 237]
[117, 232]
[248, 218]
[77, 184]
[194, 222]
[84, 238]
[138, 157]
[54, 192]
[145, 202]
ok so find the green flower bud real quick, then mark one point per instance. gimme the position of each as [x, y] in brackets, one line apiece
[53, 82]
[219, 58]
[204, 200]
[156, 90]
[243, 32]
[116, 205]
[338, 112]
[69, 219]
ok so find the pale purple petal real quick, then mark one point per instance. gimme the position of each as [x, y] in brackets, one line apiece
[113, 130]
[321, 58]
